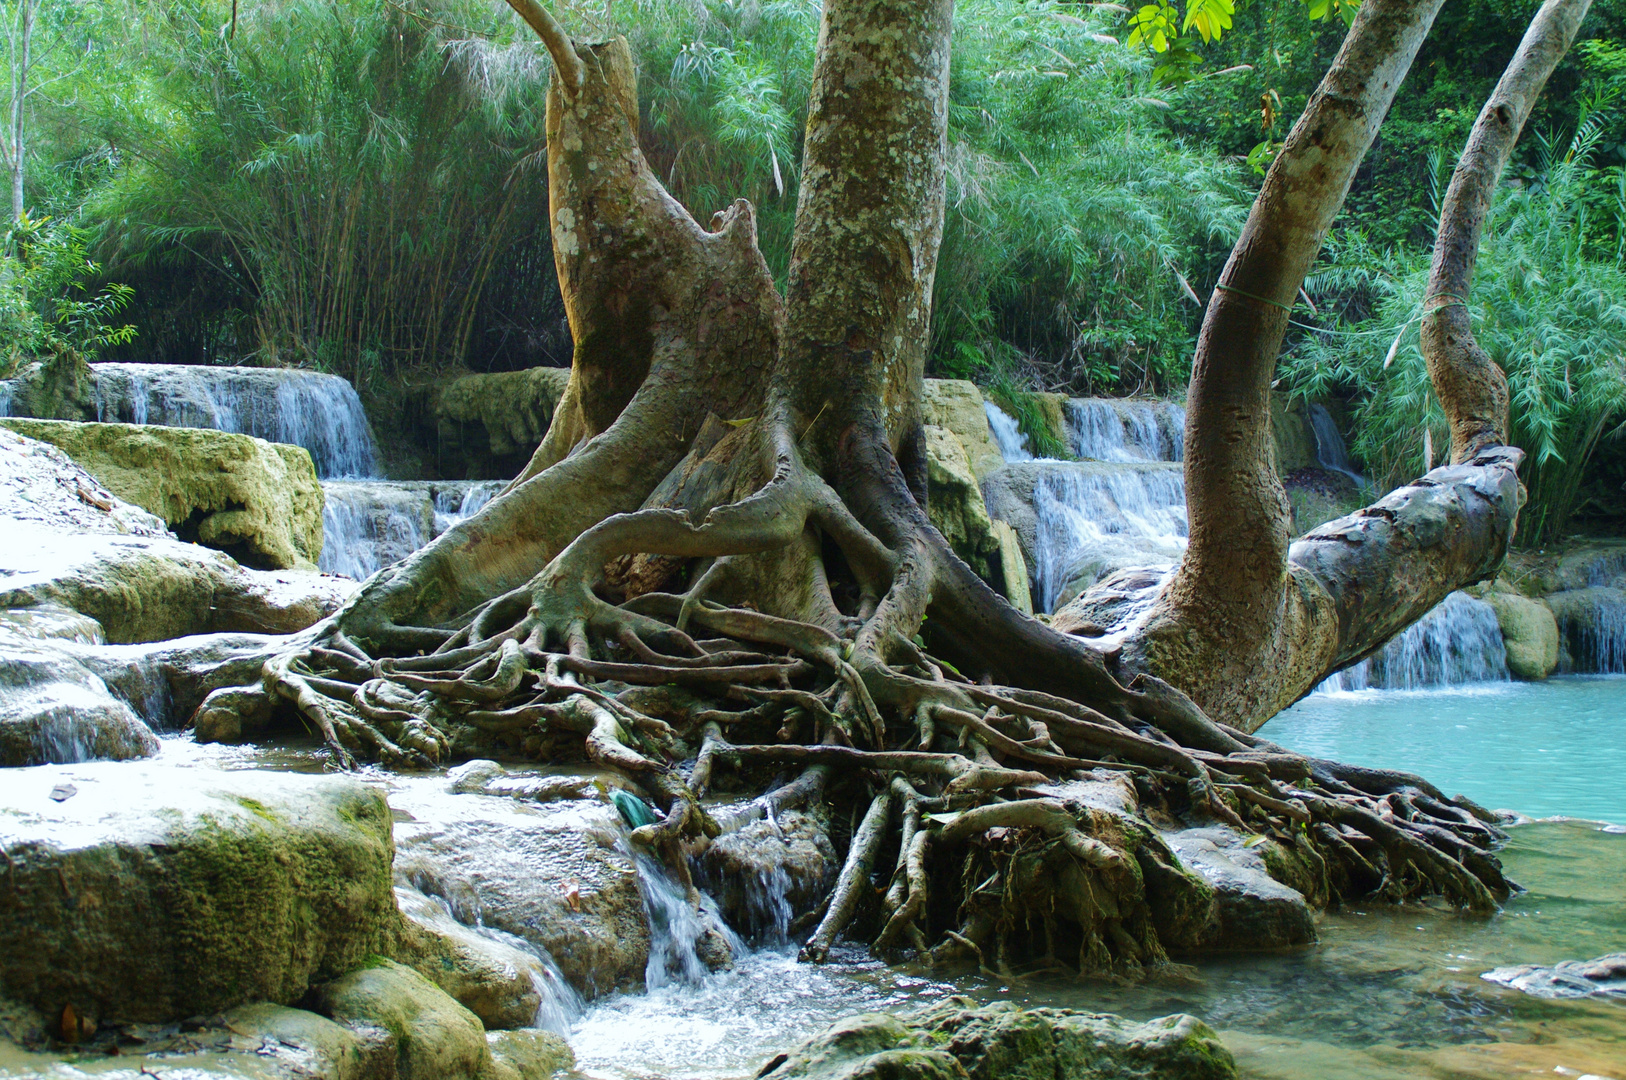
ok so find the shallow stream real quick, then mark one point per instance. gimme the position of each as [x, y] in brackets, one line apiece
[1387, 994]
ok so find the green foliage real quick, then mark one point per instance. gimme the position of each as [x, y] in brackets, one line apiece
[47, 308]
[1549, 306]
[355, 182]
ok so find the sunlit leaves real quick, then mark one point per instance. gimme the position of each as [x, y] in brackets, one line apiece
[1155, 25]
[1324, 10]
[1211, 18]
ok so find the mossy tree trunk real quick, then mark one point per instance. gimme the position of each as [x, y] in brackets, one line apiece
[721, 550]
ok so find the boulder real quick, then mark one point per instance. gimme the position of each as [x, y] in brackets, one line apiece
[491, 974]
[40, 486]
[258, 501]
[958, 1039]
[152, 588]
[434, 1037]
[302, 1044]
[1604, 977]
[955, 405]
[550, 874]
[55, 709]
[532, 1054]
[1255, 911]
[955, 500]
[489, 425]
[150, 893]
[1013, 568]
[1530, 633]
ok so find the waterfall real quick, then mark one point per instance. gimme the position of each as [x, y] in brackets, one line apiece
[1125, 430]
[1013, 445]
[676, 926]
[305, 408]
[1459, 641]
[7, 388]
[1592, 623]
[369, 524]
[560, 1004]
[1093, 519]
[1330, 452]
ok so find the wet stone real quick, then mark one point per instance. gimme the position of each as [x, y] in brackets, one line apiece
[1604, 977]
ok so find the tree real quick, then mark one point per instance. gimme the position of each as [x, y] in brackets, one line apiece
[724, 532]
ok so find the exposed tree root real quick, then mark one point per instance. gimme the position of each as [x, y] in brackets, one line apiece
[974, 823]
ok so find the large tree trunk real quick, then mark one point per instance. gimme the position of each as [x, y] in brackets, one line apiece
[725, 533]
[1250, 622]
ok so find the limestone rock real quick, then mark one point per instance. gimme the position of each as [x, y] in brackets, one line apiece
[152, 588]
[40, 486]
[256, 500]
[1604, 977]
[50, 623]
[492, 978]
[435, 1038]
[550, 874]
[1530, 633]
[306, 1044]
[532, 1054]
[494, 422]
[1293, 440]
[1013, 569]
[955, 500]
[764, 874]
[54, 709]
[150, 893]
[956, 406]
[1255, 911]
[1003, 1042]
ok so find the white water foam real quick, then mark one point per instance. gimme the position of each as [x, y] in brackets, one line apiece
[1013, 445]
[369, 524]
[1125, 429]
[1092, 520]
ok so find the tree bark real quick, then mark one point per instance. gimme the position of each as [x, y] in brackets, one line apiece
[1249, 623]
[1471, 387]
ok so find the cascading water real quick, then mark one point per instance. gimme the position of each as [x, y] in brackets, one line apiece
[1459, 641]
[368, 524]
[1122, 429]
[1013, 445]
[1330, 451]
[1092, 519]
[304, 408]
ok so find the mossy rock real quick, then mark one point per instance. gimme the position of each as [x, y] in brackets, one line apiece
[956, 406]
[1530, 633]
[54, 709]
[435, 1038]
[489, 425]
[256, 500]
[531, 1054]
[954, 500]
[957, 1038]
[140, 892]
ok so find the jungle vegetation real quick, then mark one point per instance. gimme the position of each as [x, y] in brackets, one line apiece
[345, 184]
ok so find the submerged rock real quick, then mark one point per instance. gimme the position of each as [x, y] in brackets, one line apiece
[1603, 977]
[1003, 1042]
[532, 1055]
[258, 501]
[147, 893]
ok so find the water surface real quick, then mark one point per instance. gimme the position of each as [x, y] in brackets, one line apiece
[1540, 749]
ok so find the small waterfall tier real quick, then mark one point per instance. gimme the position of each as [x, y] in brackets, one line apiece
[1457, 642]
[369, 524]
[1126, 429]
[304, 408]
[1124, 505]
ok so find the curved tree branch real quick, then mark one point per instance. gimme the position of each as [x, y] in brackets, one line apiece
[1471, 387]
